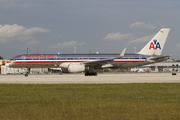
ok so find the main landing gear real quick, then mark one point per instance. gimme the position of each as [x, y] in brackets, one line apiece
[28, 71]
[90, 74]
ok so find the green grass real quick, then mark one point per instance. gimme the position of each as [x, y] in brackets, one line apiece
[90, 101]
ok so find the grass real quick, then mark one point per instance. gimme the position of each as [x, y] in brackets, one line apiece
[90, 101]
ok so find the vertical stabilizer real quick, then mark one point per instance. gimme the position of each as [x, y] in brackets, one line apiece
[156, 44]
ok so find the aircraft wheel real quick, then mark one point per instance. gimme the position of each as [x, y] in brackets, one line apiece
[95, 73]
[26, 74]
[86, 74]
[90, 74]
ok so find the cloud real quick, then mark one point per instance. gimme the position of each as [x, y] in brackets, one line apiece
[142, 39]
[59, 36]
[142, 25]
[67, 44]
[15, 3]
[17, 32]
[32, 42]
[117, 36]
[178, 45]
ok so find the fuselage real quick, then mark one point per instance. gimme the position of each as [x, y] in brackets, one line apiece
[151, 53]
[55, 60]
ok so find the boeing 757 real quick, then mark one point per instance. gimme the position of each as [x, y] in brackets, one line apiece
[87, 63]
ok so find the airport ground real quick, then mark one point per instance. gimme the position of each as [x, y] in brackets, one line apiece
[132, 101]
[101, 78]
[150, 96]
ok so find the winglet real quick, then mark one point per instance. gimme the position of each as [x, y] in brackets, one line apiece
[122, 54]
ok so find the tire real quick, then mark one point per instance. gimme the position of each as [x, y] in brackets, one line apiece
[173, 73]
[26, 74]
[86, 74]
[95, 73]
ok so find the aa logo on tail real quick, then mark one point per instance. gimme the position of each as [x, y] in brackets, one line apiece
[154, 45]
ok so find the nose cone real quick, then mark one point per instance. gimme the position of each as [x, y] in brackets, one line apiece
[8, 64]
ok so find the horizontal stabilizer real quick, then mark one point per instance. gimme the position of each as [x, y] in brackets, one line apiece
[161, 57]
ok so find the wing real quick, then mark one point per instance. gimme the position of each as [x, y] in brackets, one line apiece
[104, 61]
[99, 62]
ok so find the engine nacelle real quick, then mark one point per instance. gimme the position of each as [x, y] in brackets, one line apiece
[64, 65]
[77, 67]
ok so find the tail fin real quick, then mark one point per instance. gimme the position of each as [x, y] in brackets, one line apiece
[156, 44]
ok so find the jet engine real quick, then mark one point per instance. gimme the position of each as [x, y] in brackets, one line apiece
[77, 67]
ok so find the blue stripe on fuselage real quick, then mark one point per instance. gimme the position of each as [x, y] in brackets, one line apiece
[78, 56]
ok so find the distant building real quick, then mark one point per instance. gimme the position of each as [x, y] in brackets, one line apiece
[159, 67]
[3, 61]
[8, 70]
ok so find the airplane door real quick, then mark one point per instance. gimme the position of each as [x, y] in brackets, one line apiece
[24, 59]
[55, 61]
[140, 56]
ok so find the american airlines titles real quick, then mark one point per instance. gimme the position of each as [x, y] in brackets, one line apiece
[40, 56]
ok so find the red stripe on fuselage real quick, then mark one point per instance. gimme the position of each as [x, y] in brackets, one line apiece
[38, 61]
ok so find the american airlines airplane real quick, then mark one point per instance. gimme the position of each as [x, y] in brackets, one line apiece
[87, 63]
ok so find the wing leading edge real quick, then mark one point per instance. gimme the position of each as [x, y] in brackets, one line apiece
[104, 61]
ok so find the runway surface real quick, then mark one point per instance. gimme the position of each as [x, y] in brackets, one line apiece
[101, 78]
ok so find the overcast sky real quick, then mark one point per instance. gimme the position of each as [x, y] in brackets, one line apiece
[104, 26]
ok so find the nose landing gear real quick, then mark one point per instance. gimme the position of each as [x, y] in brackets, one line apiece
[28, 71]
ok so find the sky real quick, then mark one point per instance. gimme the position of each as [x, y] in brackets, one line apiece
[89, 26]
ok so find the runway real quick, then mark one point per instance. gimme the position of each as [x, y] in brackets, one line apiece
[100, 79]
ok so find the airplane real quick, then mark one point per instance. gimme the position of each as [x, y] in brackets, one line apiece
[87, 63]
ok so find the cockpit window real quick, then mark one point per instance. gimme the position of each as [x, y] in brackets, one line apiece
[12, 59]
